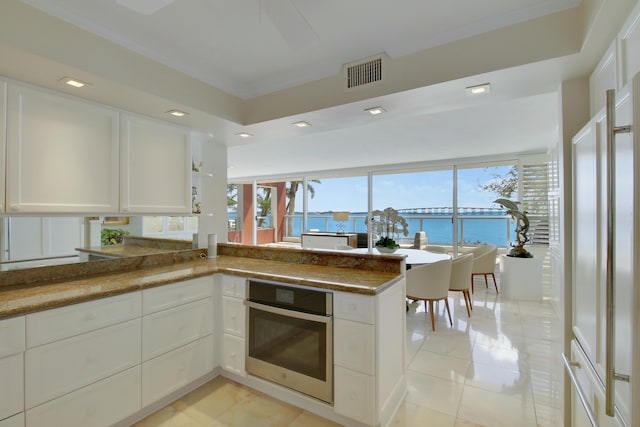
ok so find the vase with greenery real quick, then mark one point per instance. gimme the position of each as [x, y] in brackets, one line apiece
[112, 236]
[522, 228]
[388, 224]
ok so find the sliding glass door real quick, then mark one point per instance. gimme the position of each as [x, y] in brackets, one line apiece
[422, 198]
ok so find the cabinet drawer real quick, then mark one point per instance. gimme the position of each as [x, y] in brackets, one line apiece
[173, 328]
[233, 351]
[354, 307]
[59, 323]
[11, 336]
[15, 421]
[233, 316]
[171, 371]
[234, 286]
[354, 395]
[63, 366]
[12, 388]
[167, 296]
[100, 404]
[354, 345]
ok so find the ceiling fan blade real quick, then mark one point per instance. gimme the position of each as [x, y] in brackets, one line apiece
[289, 22]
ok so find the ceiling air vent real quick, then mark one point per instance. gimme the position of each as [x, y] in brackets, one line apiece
[365, 72]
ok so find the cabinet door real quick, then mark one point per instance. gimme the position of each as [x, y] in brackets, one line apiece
[176, 369]
[233, 353]
[155, 167]
[103, 403]
[60, 367]
[629, 47]
[233, 316]
[12, 389]
[354, 346]
[354, 395]
[62, 153]
[586, 235]
[173, 328]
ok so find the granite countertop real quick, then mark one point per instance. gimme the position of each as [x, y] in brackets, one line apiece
[334, 274]
[118, 251]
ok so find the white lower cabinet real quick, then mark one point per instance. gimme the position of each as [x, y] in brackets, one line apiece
[12, 389]
[100, 404]
[62, 366]
[15, 421]
[354, 395]
[354, 344]
[176, 369]
[175, 327]
[233, 353]
[233, 323]
[12, 345]
[59, 323]
[233, 316]
[354, 357]
[369, 358]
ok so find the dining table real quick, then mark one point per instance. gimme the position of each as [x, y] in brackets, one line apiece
[413, 256]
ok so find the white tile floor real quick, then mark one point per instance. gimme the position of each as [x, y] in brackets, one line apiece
[501, 367]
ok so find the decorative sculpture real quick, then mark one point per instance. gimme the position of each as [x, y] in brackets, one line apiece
[522, 228]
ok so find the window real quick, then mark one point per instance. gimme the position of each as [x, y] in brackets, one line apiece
[170, 227]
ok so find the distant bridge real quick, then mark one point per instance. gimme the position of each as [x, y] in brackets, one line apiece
[448, 210]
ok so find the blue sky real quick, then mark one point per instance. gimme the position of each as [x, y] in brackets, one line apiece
[406, 190]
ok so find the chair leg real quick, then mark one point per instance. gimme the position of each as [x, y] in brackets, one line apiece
[433, 320]
[466, 302]
[486, 282]
[446, 304]
[494, 282]
[469, 299]
[472, 283]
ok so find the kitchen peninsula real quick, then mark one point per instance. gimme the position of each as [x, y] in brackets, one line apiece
[191, 310]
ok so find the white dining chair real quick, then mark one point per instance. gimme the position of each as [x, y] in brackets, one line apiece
[484, 263]
[430, 282]
[461, 278]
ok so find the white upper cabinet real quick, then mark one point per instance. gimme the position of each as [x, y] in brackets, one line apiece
[629, 47]
[62, 153]
[3, 139]
[603, 78]
[155, 167]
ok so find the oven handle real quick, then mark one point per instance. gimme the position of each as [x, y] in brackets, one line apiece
[288, 313]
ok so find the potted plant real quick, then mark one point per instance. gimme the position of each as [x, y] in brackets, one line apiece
[110, 236]
[389, 225]
[522, 228]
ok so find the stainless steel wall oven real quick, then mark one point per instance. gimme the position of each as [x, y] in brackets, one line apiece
[290, 337]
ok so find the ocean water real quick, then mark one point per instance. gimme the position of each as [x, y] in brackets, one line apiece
[472, 228]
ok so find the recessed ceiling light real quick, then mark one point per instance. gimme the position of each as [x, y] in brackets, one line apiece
[375, 110]
[479, 89]
[176, 113]
[73, 82]
[301, 124]
[244, 135]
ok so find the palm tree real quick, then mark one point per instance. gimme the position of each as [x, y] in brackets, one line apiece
[291, 196]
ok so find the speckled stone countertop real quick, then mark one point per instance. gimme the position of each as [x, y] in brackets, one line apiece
[138, 246]
[37, 289]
